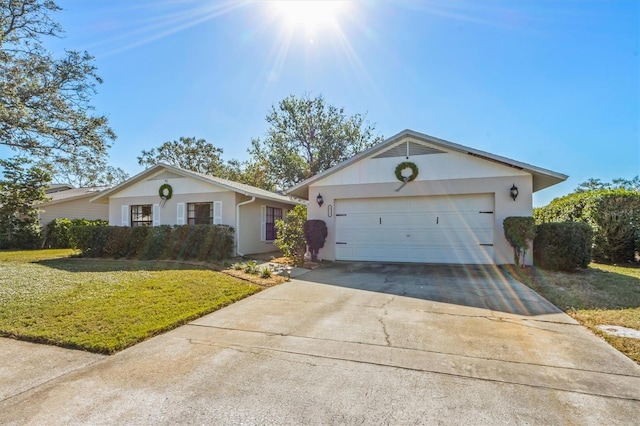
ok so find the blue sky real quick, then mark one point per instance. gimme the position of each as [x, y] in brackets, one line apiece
[552, 83]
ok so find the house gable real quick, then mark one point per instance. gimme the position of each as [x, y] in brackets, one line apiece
[180, 185]
[433, 162]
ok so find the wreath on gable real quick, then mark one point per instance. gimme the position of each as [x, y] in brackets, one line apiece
[165, 192]
[406, 165]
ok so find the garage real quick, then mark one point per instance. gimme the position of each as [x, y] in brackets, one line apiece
[417, 198]
[436, 229]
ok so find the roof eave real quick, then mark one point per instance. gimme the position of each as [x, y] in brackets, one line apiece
[543, 178]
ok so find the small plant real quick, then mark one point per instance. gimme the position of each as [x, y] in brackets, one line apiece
[266, 272]
[251, 267]
[238, 266]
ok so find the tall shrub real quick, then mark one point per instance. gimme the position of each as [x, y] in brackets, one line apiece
[519, 231]
[562, 246]
[315, 233]
[290, 236]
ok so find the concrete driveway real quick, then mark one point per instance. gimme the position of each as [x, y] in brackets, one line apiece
[354, 344]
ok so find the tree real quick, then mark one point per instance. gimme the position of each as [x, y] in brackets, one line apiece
[21, 189]
[84, 171]
[307, 136]
[618, 183]
[254, 173]
[198, 155]
[193, 154]
[44, 101]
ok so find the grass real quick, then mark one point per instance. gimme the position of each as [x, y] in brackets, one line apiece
[598, 295]
[105, 306]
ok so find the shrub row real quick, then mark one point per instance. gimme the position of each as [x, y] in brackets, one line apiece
[562, 246]
[57, 233]
[201, 242]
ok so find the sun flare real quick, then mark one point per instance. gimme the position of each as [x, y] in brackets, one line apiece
[309, 14]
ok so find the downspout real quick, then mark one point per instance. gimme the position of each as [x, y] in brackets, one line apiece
[238, 253]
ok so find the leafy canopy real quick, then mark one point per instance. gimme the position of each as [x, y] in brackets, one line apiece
[308, 136]
[21, 189]
[198, 155]
[44, 101]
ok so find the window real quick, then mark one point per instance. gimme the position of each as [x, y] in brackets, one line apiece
[200, 213]
[272, 214]
[141, 215]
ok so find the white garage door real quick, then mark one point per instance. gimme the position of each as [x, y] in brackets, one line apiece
[442, 229]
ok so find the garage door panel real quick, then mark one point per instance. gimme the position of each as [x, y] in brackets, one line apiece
[438, 229]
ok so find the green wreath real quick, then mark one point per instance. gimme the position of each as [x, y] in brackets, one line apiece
[406, 165]
[169, 192]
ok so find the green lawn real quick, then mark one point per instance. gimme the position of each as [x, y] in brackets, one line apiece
[104, 305]
[599, 295]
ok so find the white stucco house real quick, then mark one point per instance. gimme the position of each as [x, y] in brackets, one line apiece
[195, 198]
[65, 201]
[450, 210]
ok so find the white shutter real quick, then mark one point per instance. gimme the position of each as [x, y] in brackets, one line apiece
[217, 213]
[263, 223]
[156, 215]
[125, 216]
[180, 217]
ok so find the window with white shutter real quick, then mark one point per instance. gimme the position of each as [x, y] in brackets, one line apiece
[217, 213]
[156, 215]
[180, 214]
[125, 216]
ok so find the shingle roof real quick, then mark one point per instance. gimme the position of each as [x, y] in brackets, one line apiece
[65, 195]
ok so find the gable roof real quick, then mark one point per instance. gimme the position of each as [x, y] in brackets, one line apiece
[542, 178]
[241, 188]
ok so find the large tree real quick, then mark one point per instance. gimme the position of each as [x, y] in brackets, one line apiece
[193, 154]
[44, 100]
[85, 170]
[201, 156]
[307, 136]
[21, 189]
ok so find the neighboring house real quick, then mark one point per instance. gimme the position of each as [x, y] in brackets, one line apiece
[66, 201]
[195, 198]
[451, 213]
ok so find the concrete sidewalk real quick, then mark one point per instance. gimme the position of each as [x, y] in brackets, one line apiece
[347, 346]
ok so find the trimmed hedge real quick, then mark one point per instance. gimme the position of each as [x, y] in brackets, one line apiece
[562, 246]
[58, 233]
[201, 242]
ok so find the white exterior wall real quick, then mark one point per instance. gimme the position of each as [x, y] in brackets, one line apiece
[188, 190]
[73, 209]
[251, 224]
[450, 173]
[169, 213]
